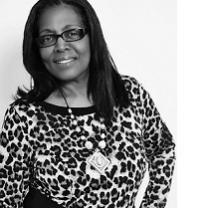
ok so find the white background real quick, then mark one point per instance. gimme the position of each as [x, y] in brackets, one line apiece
[141, 36]
[193, 103]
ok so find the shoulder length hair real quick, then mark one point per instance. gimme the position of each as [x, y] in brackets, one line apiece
[105, 83]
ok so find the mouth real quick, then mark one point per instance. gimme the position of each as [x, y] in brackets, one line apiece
[64, 61]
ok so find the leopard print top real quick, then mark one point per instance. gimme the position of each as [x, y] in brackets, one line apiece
[40, 148]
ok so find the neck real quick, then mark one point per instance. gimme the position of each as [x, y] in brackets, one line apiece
[77, 87]
[74, 89]
[76, 94]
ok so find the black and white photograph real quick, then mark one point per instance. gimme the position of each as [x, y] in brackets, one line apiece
[88, 104]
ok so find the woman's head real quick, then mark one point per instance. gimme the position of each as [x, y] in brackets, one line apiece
[64, 44]
[34, 57]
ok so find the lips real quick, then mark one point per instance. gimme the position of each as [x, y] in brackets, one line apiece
[64, 60]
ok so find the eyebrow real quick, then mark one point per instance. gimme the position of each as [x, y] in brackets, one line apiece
[64, 28]
[47, 30]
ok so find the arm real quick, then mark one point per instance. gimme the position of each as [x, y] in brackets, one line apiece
[159, 147]
[14, 160]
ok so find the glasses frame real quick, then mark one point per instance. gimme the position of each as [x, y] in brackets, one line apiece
[84, 31]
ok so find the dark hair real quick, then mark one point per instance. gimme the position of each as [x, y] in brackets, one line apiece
[105, 83]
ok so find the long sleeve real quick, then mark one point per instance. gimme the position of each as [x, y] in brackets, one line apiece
[14, 160]
[159, 148]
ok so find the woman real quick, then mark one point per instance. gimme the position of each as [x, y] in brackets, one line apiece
[83, 134]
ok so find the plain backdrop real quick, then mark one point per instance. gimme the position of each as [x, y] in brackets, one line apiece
[141, 36]
[192, 99]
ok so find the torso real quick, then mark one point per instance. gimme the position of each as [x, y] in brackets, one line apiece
[60, 158]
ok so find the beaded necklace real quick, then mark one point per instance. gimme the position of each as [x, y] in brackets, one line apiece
[97, 159]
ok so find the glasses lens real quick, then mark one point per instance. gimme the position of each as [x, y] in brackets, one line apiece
[46, 40]
[74, 34]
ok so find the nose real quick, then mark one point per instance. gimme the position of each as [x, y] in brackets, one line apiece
[61, 45]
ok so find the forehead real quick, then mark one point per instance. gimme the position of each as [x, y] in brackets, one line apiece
[59, 16]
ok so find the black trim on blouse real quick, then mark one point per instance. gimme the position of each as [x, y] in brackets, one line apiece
[78, 111]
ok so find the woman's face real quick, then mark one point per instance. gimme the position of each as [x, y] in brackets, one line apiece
[67, 61]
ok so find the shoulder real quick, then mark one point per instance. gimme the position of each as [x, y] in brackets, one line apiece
[134, 87]
[21, 107]
[129, 79]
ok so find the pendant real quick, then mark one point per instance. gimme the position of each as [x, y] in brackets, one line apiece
[99, 161]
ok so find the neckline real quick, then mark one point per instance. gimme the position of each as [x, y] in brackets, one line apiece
[57, 109]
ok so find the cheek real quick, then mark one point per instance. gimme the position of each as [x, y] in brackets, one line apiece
[85, 51]
[45, 54]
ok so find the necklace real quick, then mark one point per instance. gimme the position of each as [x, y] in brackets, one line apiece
[97, 160]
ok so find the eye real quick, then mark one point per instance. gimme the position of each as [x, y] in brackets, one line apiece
[46, 39]
[73, 34]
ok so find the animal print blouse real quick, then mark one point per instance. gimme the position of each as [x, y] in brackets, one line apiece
[41, 149]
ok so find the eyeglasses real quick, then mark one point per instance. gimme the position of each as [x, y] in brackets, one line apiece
[71, 35]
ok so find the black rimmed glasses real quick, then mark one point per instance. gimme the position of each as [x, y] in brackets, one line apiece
[71, 35]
